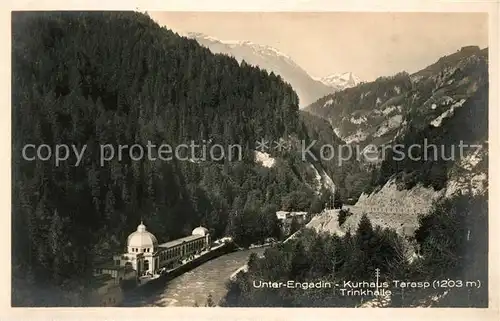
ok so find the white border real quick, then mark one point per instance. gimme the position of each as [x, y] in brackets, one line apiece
[492, 7]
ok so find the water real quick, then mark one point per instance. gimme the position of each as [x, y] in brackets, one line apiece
[195, 285]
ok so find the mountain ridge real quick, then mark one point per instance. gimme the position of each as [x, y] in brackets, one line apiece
[308, 89]
[341, 80]
[445, 104]
[362, 114]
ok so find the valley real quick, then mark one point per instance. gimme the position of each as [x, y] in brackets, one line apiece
[98, 80]
[308, 88]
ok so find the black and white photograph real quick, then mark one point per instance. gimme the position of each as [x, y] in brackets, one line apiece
[249, 159]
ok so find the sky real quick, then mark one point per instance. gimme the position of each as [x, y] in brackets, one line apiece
[368, 44]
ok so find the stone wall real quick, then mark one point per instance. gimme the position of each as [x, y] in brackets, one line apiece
[393, 208]
[389, 199]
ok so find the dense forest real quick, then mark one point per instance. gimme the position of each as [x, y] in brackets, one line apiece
[451, 244]
[88, 79]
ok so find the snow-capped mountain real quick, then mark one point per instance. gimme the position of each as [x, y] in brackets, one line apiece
[259, 49]
[271, 59]
[341, 81]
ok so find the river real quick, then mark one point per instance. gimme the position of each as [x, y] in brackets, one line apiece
[195, 285]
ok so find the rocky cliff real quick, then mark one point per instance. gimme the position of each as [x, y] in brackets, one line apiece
[393, 207]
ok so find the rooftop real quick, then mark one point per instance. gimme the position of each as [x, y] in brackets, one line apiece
[298, 213]
[181, 240]
[291, 213]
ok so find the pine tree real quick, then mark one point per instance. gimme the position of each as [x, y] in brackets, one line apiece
[300, 262]
[294, 225]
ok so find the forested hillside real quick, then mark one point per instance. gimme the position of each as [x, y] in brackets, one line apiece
[452, 243]
[444, 104]
[269, 58]
[351, 174]
[90, 79]
[85, 80]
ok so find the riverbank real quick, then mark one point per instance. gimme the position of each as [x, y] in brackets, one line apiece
[193, 287]
[160, 281]
[244, 268]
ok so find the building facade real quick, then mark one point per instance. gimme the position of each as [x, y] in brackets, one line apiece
[284, 215]
[145, 256]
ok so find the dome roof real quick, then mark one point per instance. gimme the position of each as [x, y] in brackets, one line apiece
[142, 238]
[200, 231]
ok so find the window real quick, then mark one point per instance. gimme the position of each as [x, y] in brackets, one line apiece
[117, 262]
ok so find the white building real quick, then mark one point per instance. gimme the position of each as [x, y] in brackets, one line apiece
[146, 256]
[284, 215]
